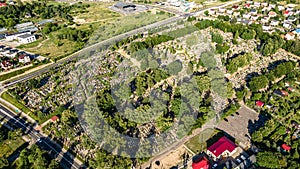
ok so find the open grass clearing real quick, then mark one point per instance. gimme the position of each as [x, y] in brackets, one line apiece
[199, 142]
[9, 146]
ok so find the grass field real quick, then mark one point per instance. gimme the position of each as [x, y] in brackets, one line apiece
[9, 146]
[97, 12]
[124, 24]
[198, 143]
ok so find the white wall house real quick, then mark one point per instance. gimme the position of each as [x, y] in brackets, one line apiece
[27, 38]
[24, 59]
[11, 37]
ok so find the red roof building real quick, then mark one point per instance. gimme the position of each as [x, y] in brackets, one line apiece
[2, 4]
[260, 103]
[284, 93]
[54, 118]
[201, 162]
[223, 147]
[285, 147]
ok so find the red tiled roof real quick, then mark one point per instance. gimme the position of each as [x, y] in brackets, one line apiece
[2, 4]
[286, 12]
[221, 145]
[286, 147]
[285, 93]
[202, 164]
[54, 118]
[259, 103]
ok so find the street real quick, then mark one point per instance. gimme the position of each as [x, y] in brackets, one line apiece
[45, 143]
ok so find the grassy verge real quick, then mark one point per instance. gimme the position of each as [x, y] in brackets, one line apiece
[6, 96]
[198, 143]
[9, 146]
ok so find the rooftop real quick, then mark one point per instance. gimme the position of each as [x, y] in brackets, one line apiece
[222, 145]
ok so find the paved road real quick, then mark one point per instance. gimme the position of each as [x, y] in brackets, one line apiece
[66, 159]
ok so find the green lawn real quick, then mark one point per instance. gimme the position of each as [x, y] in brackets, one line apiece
[9, 146]
[198, 142]
[6, 96]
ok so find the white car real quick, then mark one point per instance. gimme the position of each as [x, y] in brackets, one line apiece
[214, 166]
[243, 157]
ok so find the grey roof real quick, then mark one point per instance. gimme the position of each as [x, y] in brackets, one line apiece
[22, 25]
[42, 22]
[3, 29]
[25, 36]
[26, 29]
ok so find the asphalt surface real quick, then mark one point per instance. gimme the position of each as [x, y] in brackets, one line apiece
[45, 143]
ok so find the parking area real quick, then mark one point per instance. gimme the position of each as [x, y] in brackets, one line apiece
[241, 124]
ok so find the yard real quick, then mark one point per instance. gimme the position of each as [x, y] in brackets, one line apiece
[198, 143]
[9, 146]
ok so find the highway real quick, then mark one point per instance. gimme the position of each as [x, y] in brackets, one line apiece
[45, 143]
[106, 42]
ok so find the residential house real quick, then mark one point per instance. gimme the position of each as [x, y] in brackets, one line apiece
[292, 19]
[272, 14]
[247, 5]
[278, 93]
[290, 36]
[254, 17]
[297, 32]
[222, 10]
[265, 19]
[6, 65]
[289, 8]
[285, 147]
[286, 13]
[272, 5]
[24, 59]
[256, 4]
[253, 12]
[284, 93]
[222, 148]
[11, 54]
[54, 119]
[246, 16]
[281, 8]
[274, 23]
[27, 38]
[264, 4]
[291, 89]
[211, 12]
[229, 12]
[201, 161]
[2, 4]
[235, 7]
[259, 103]
[236, 14]
[287, 25]
[266, 27]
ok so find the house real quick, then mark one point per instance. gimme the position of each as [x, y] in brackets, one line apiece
[256, 4]
[269, 106]
[286, 13]
[254, 17]
[264, 4]
[229, 12]
[290, 36]
[247, 5]
[274, 23]
[11, 54]
[272, 14]
[278, 93]
[236, 14]
[297, 31]
[284, 93]
[11, 37]
[54, 119]
[259, 103]
[292, 19]
[222, 10]
[201, 161]
[266, 27]
[246, 16]
[6, 65]
[291, 89]
[27, 38]
[265, 19]
[287, 25]
[281, 8]
[235, 7]
[272, 5]
[24, 59]
[289, 8]
[285, 147]
[2, 4]
[223, 147]
[211, 12]
[253, 11]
